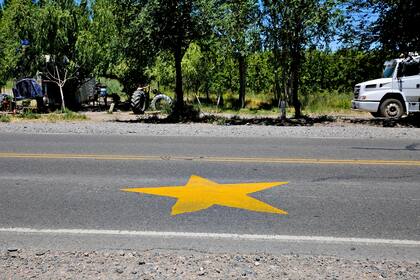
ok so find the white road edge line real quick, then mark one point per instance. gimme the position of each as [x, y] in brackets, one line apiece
[232, 236]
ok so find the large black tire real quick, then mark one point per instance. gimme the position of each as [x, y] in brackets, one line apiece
[392, 109]
[139, 102]
[161, 102]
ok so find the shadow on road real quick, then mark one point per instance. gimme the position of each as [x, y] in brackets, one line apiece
[415, 147]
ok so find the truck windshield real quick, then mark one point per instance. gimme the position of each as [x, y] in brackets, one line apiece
[389, 68]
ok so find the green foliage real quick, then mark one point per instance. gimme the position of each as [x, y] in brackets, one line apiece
[339, 70]
[322, 102]
[293, 26]
[5, 118]
[72, 116]
[193, 66]
[386, 25]
[18, 22]
[171, 26]
[261, 72]
[389, 26]
[7, 85]
[327, 101]
[53, 28]
[396, 25]
[237, 25]
[114, 86]
[99, 42]
[66, 115]
[164, 107]
[214, 49]
[115, 39]
[28, 114]
[162, 72]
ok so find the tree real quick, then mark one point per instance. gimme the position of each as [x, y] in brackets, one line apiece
[162, 72]
[117, 39]
[385, 25]
[101, 41]
[60, 72]
[18, 44]
[217, 69]
[64, 24]
[31, 30]
[396, 28]
[291, 27]
[260, 72]
[193, 67]
[171, 26]
[237, 25]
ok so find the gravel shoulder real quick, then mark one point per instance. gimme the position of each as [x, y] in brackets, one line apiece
[326, 130]
[223, 125]
[157, 264]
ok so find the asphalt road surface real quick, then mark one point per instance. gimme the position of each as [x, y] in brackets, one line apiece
[347, 197]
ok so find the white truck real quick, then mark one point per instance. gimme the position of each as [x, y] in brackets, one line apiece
[394, 95]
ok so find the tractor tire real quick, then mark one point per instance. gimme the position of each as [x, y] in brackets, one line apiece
[139, 102]
[161, 102]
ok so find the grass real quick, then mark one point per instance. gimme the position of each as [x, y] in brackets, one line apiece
[5, 118]
[261, 104]
[320, 103]
[327, 102]
[57, 116]
[29, 115]
[66, 115]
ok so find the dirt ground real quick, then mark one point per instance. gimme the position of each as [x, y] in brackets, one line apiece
[157, 264]
[129, 116]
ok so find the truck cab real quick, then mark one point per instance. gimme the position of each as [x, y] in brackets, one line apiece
[396, 94]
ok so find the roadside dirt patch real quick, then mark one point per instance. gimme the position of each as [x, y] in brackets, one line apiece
[156, 264]
[223, 119]
[242, 120]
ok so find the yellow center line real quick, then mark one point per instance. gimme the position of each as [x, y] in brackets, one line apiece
[213, 159]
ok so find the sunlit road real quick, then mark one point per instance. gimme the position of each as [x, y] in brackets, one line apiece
[349, 197]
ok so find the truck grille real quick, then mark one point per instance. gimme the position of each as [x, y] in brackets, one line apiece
[356, 92]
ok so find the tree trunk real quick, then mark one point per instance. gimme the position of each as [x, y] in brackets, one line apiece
[207, 94]
[63, 105]
[242, 80]
[296, 63]
[277, 63]
[220, 100]
[294, 72]
[179, 94]
[277, 89]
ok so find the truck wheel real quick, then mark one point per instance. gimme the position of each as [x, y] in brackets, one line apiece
[139, 102]
[392, 109]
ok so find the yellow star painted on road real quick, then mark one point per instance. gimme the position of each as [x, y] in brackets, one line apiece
[200, 193]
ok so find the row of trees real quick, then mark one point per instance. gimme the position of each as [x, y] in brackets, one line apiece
[285, 47]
